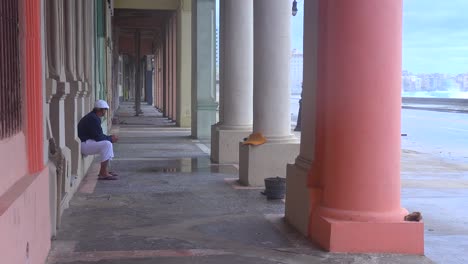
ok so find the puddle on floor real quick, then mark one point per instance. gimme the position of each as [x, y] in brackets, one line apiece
[189, 165]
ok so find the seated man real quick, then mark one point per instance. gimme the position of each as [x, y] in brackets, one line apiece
[94, 141]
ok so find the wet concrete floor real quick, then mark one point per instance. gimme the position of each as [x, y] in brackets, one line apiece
[172, 205]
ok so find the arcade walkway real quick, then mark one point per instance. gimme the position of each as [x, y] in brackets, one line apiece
[171, 205]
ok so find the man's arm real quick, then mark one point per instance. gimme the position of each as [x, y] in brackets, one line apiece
[97, 133]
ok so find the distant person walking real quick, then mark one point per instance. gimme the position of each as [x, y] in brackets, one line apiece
[94, 141]
[299, 114]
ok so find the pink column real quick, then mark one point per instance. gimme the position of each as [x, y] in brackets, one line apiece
[169, 68]
[32, 40]
[158, 73]
[156, 80]
[174, 67]
[358, 130]
[160, 76]
[166, 72]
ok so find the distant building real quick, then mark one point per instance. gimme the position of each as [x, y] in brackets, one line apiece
[411, 83]
[462, 80]
[297, 61]
[417, 83]
[432, 82]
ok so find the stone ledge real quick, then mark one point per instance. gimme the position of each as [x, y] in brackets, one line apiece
[367, 237]
[256, 163]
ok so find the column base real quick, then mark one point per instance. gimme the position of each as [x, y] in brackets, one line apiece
[367, 237]
[184, 121]
[298, 204]
[225, 144]
[205, 117]
[256, 163]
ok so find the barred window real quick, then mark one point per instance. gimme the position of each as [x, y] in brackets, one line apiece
[10, 90]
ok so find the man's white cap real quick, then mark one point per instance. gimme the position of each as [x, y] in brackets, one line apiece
[101, 104]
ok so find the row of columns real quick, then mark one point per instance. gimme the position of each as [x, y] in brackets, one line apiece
[78, 54]
[138, 69]
[69, 75]
[254, 93]
[108, 51]
[343, 188]
[165, 76]
[117, 73]
[173, 68]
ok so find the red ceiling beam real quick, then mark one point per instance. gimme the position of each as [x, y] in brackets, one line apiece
[138, 22]
[127, 45]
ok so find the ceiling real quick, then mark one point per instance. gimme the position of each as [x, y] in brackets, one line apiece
[149, 23]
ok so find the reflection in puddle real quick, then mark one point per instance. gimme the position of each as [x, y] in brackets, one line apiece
[189, 165]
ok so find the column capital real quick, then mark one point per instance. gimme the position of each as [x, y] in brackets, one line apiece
[76, 89]
[63, 90]
[186, 5]
[56, 90]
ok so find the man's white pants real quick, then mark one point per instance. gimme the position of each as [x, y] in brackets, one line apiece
[103, 148]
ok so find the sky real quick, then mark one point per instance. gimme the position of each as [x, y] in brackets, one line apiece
[297, 27]
[435, 36]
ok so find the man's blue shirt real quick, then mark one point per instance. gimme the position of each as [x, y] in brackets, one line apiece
[89, 127]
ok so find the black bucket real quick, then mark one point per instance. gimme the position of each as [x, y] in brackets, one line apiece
[275, 188]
